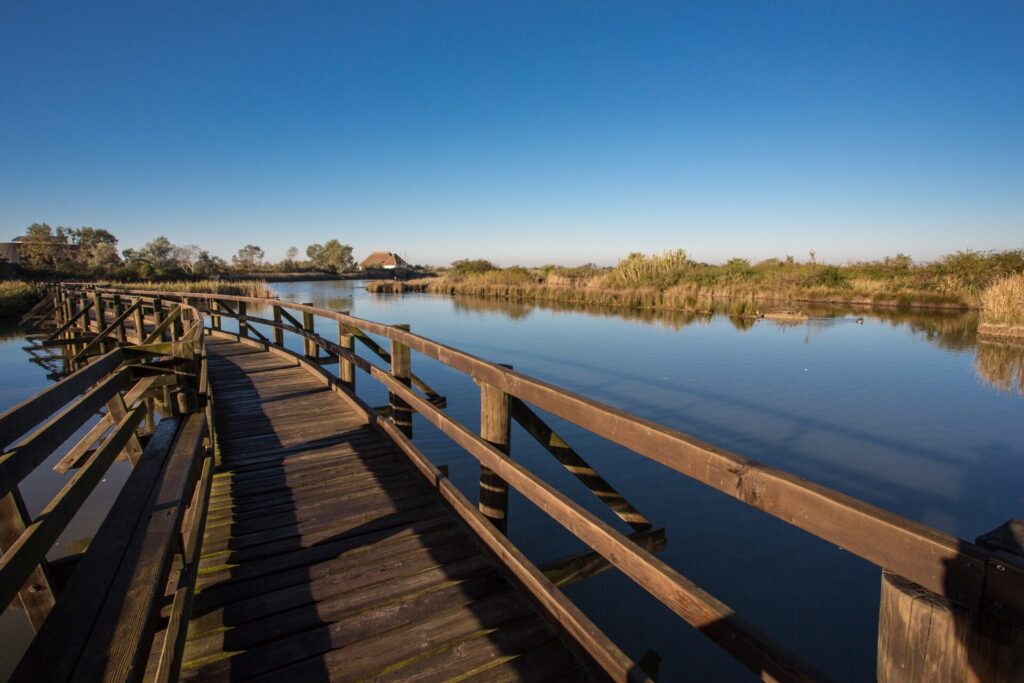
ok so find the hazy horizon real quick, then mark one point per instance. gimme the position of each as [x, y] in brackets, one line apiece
[520, 132]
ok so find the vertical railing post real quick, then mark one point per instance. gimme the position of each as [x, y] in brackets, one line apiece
[243, 324]
[175, 328]
[58, 305]
[139, 320]
[214, 318]
[312, 350]
[158, 315]
[86, 320]
[65, 302]
[495, 428]
[278, 332]
[118, 312]
[186, 324]
[922, 636]
[401, 369]
[346, 368]
[97, 307]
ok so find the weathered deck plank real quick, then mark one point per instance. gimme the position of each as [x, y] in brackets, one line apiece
[327, 556]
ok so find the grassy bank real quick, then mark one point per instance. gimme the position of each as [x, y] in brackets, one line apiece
[735, 299]
[17, 296]
[671, 281]
[254, 288]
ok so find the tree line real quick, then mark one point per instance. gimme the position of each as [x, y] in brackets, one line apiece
[93, 252]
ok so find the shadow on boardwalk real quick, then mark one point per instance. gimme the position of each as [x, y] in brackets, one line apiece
[328, 557]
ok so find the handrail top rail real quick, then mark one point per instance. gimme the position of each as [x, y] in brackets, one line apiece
[934, 559]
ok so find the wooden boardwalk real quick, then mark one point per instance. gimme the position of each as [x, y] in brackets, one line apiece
[320, 543]
[328, 556]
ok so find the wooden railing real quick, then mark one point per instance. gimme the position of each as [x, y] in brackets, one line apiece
[980, 585]
[137, 360]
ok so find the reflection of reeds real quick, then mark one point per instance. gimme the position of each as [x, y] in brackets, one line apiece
[520, 309]
[1001, 365]
[1002, 303]
[254, 288]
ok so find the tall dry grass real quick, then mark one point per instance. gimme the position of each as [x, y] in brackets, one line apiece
[1002, 303]
[638, 270]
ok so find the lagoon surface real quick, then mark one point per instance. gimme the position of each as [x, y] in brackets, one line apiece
[907, 411]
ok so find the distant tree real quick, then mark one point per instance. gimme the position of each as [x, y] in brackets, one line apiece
[38, 246]
[315, 254]
[43, 248]
[206, 265]
[336, 256]
[292, 253]
[159, 254]
[186, 257]
[101, 257]
[248, 257]
[89, 237]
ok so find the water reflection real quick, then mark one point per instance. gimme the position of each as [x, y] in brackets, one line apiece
[9, 329]
[999, 364]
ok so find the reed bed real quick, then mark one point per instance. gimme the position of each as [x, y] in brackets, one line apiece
[400, 286]
[17, 296]
[638, 270]
[1002, 303]
[253, 288]
[692, 297]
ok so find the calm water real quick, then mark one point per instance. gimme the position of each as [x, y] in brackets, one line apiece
[908, 412]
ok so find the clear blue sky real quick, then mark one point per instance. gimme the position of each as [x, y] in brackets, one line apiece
[521, 132]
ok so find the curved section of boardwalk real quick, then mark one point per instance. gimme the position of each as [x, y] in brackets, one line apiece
[327, 556]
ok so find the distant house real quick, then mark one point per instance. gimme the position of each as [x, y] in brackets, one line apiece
[11, 251]
[383, 259]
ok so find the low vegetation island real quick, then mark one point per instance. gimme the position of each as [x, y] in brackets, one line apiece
[964, 280]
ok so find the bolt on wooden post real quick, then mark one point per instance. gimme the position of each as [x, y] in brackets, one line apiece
[346, 368]
[495, 428]
[308, 324]
[401, 369]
